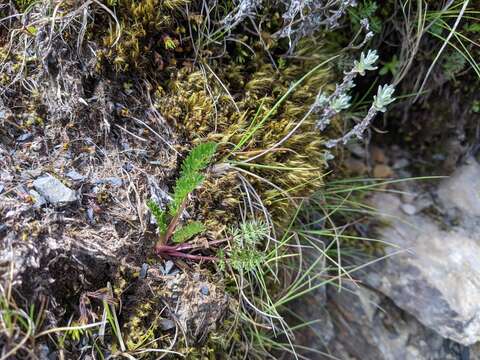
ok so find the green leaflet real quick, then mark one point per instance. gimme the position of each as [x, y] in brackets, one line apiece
[188, 231]
[190, 176]
[159, 216]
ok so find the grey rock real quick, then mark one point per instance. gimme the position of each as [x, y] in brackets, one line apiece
[54, 191]
[114, 181]
[6, 176]
[408, 209]
[432, 271]
[168, 266]
[25, 137]
[143, 271]
[401, 163]
[38, 199]
[31, 174]
[127, 167]
[167, 324]
[1, 188]
[462, 189]
[369, 326]
[90, 215]
[357, 150]
[204, 290]
[75, 176]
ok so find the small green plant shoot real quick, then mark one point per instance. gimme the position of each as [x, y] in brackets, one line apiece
[168, 220]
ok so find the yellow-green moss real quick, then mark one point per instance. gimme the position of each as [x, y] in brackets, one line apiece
[199, 107]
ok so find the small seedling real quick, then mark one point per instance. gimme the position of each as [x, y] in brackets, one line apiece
[243, 254]
[168, 220]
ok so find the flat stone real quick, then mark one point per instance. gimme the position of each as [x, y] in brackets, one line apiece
[75, 176]
[382, 171]
[433, 271]
[401, 163]
[114, 181]
[367, 325]
[25, 137]
[167, 324]
[408, 209]
[462, 189]
[54, 191]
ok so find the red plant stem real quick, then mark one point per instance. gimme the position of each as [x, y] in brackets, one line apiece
[190, 256]
[173, 224]
[180, 247]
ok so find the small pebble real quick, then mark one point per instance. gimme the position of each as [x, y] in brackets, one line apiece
[356, 166]
[409, 209]
[143, 271]
[24, 137]
[357, 150]
[75, 176]
[114, 181]
[54, 191]
[168, 267]
[378, 155]
[408, 197]
[382, 171]
[167, 324]
[401, 163]
[90, 215]
[127, 167]
[204, 290]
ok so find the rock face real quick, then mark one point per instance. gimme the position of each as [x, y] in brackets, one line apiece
[422, 301]
[433, 272]
[369, 326]
[54, 191]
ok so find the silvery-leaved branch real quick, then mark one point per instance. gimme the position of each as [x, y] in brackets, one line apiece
[340, 100]
[380, 103]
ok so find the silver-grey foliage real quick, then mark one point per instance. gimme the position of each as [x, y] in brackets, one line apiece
[339, 99]
[304, 17]
[244, 9]
[380, 101]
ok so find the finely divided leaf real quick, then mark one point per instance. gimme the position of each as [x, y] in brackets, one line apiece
[159, 216]
[199, 158]
[190, 177]
[184, 186]
[188, 231]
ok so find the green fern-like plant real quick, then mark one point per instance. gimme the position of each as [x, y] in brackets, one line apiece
[190, 178]
[244, 255]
